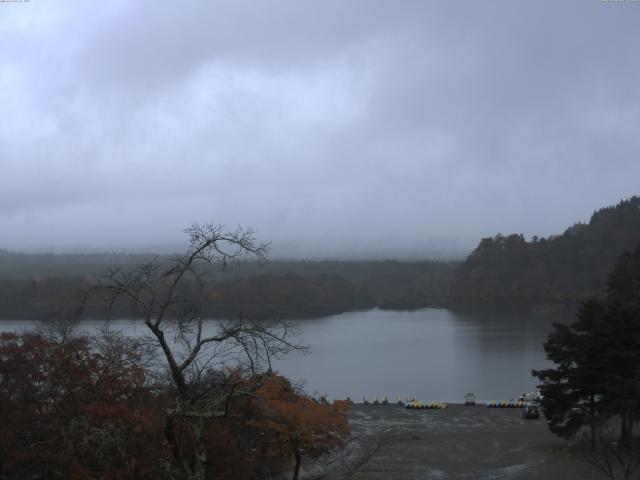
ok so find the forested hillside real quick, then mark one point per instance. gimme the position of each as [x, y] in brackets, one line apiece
[561, 269]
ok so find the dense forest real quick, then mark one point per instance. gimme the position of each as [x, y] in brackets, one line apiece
[548, 272]
[37, 286]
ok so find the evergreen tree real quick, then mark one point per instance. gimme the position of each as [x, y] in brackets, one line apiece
[572, 392]
[617, 339]
[597, 372]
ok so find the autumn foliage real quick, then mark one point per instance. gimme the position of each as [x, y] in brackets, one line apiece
[77, 409]
[300, 425]
[69, 411]
[316, 427]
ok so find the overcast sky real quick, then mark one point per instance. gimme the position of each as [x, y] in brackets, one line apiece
[334, 128]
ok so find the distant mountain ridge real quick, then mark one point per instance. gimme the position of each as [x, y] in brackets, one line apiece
[561, 269]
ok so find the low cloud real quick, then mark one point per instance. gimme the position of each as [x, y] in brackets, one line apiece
[366, 128]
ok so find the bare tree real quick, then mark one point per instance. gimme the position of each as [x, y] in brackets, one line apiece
[614, 460]
[167, 296]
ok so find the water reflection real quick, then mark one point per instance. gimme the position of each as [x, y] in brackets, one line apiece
[431, 354]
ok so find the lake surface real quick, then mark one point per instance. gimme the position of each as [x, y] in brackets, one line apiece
[430, 354]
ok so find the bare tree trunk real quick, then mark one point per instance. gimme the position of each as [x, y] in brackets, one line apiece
[298, 456]
[176, 453]
[625, 428]
[593, 423]
[200, 459]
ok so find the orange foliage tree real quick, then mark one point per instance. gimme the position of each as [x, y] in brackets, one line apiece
[299, 424]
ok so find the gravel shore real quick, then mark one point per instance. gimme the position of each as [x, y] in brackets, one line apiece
[462, 442]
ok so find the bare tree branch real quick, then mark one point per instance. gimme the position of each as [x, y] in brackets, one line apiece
[165, 295]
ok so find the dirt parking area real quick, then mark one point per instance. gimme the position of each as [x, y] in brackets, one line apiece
[462, 442]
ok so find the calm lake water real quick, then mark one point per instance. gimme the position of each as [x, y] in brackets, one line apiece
[430, 354]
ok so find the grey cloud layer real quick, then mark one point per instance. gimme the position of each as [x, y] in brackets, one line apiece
[332, 127]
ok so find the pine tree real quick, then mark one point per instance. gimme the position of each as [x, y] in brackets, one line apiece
[572, 392]
[597, 372]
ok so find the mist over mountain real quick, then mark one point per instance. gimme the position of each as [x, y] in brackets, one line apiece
[505, 270]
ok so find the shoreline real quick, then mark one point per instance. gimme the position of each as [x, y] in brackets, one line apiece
[461, 442]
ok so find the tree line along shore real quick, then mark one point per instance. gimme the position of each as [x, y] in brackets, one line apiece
[543, 274]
